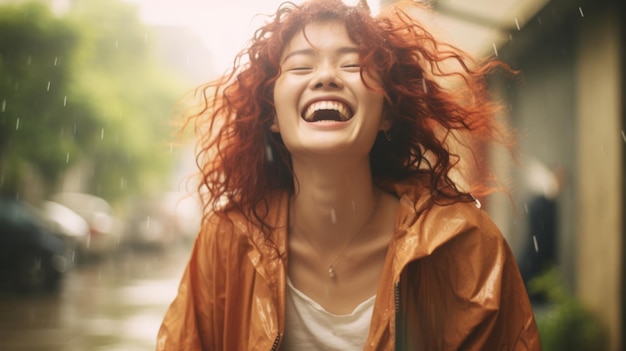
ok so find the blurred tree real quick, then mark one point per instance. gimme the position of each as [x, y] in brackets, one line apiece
[135, 95]
[84, 89]
[37, 52]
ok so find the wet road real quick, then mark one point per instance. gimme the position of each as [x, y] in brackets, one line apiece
[114, 304]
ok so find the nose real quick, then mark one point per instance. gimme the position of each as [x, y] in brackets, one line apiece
[326, 77]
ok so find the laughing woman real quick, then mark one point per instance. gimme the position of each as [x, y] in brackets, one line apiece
[333, 219]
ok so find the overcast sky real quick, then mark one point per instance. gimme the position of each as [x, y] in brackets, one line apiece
[224, 25]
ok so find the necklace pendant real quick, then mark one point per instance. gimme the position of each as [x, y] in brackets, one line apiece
[331, 271]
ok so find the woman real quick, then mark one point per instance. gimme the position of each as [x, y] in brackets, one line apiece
[332, 218]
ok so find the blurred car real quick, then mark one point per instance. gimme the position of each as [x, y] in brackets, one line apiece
[187, 212]
[162, 220]
[70, 224]
[149, 225]
[105, 229]
[32, 256]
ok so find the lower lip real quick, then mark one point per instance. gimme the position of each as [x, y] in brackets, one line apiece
[328, 125]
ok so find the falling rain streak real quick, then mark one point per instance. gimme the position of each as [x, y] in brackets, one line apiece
[623, 136]
[517, 24]
[495, 49]
[48, 88]
[269, 154]
[580, 9]
[17, 124]
[102, 134]
[67, 158]
[65, 101]
[4, 106]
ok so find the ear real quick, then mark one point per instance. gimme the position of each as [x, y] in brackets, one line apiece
[385, 124]
[274, 126]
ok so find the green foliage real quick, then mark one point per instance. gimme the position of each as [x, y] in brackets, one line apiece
[567, 325]
[134, 96]
[36, 56]
[84, 88]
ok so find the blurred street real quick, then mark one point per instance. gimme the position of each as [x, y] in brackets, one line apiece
[113, 304]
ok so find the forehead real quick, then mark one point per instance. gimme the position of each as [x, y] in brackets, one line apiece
[321, 36]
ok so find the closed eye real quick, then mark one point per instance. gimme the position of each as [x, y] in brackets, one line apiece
[352, 67]
[299, 69]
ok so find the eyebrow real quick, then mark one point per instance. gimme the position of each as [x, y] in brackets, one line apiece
[312, 52]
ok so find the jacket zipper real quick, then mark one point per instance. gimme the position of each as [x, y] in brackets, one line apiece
[276, 343]
[396, 296]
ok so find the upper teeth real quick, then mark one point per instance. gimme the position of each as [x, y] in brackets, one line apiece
[344, 111]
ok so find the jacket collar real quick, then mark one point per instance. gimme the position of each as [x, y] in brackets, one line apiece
[420, 228]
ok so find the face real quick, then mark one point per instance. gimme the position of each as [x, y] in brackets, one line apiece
[323, 106]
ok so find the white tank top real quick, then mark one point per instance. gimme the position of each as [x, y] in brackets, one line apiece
[309, 326]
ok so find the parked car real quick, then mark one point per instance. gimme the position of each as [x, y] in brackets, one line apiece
[187, 212]
[32, 256]
[105, 229]
[70, 224]
[149, 225]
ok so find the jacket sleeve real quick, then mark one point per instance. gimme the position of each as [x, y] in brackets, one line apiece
[492, 296]
[469, 295]
[192, 320]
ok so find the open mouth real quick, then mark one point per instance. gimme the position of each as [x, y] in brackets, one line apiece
[327, 111]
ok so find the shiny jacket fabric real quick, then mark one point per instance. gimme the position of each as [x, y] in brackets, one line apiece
[450, 282]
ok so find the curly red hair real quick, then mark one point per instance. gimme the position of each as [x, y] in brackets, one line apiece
[242, 162]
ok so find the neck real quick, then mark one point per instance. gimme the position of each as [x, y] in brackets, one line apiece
[332, 202]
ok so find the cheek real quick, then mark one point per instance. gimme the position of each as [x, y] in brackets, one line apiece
[286, 95]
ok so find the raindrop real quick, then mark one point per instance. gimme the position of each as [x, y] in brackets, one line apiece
[102, 134]
[623, 136]
[123, 183]
[67, 158]
[17, 124]
[269, 154]
[29, 60]
[65, 101]
[333, 216]
[536, 244]
[4, 107]
[117, 44]
[580, 9]
[495, 49]
[517, 24]
[424, 86]
[74, 131]
[56, 60]
[526, 208]
[171, 147]
[48, 88]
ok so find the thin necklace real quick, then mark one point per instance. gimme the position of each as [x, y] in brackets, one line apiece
[331, 267]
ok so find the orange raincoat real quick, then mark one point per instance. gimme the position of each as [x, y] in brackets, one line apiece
[450, 282]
